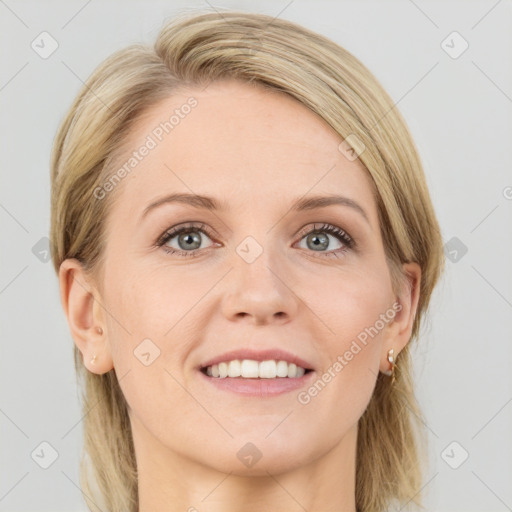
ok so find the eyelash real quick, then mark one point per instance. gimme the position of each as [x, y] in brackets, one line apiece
[339, 233]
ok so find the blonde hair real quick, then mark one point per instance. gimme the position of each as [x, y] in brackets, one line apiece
[196, 49]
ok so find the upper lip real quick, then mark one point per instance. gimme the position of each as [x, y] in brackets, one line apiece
[259, 355]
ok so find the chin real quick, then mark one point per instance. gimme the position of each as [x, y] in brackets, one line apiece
[253, 455]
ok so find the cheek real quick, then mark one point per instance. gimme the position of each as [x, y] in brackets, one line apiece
[352, 307]
[150, 305]
[348, 321]
[356, 311]
[149, 330]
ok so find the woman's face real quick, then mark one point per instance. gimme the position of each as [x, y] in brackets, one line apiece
[248, 281]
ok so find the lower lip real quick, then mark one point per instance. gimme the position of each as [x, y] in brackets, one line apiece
[259, 387]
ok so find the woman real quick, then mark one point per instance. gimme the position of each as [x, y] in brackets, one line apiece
[245, 246]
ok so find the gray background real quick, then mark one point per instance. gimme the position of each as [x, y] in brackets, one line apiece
[459, 111]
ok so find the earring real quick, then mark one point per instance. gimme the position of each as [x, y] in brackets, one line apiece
[93, 360]
[391, 371]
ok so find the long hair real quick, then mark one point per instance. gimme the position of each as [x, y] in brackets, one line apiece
[197, 49]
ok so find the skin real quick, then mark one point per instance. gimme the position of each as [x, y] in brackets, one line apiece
[257, 151]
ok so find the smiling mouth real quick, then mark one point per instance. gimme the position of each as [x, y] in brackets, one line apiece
[252, 369]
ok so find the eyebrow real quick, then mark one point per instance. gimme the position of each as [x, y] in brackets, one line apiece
[301, 204]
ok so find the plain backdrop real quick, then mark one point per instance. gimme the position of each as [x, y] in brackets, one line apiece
[457, 102]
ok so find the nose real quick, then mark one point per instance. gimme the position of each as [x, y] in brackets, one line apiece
[260, 293]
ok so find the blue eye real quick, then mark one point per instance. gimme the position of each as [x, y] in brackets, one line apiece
[189, 239]
[318, 239]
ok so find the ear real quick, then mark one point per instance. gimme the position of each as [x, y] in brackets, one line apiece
[86, 317]
[399, 329]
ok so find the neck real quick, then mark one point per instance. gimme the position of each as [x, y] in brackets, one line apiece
[170, 482]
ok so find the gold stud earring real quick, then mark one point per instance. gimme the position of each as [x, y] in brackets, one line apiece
[93, 360]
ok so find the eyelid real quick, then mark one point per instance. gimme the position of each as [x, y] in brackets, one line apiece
[324, 227]
[175, 230]
[181, 228]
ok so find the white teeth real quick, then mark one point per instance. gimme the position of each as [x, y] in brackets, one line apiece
[223, 370]
[295, 371]
[282, 369]
[251, 369]
[234, 368]
[268, 369]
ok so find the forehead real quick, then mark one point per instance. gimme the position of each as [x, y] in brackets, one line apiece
[241, 143]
